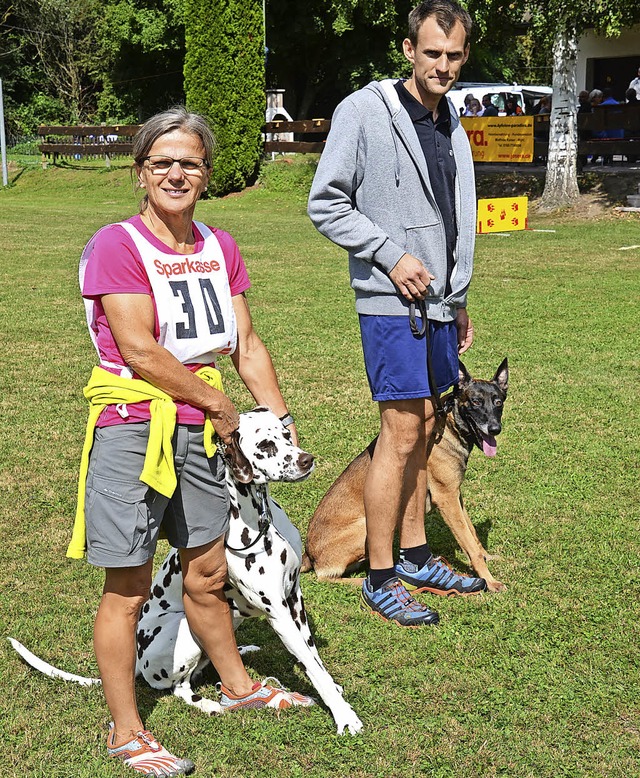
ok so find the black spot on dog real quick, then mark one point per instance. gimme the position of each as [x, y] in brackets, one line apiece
[268, 545]
[244, 615]
[145, 608]
[243, 489]
[310, 641]
[288, 459]
[283, 556]
[249, 561]
[196, 697]
[234, 512]
[261, 570]
[157, 591]
[244, 537]
[226, 586]
[156, 677]
[145, 640]
[173, 568]
[266, 600]
[164, 605]
[303, 615]
[164, 673]
[268, 447]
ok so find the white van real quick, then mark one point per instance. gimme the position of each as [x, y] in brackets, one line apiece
[525, 96]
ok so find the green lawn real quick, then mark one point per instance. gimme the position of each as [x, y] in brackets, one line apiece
[540, 681]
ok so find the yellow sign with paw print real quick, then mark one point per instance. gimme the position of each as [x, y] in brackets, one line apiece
[502, 214]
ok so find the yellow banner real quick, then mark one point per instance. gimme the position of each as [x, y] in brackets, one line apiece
[502, 214]
[500, 138]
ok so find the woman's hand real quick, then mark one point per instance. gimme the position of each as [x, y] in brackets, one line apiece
[225, 418]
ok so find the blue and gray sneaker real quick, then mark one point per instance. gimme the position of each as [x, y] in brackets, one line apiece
[437, 577]
[392, 602]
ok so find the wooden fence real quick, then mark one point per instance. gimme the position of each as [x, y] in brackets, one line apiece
[83, 141]
[308, 136]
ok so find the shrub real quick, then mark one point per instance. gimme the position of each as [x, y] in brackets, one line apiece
[225, 81]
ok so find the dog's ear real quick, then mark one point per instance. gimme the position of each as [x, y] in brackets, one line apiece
[463, 374]
[502, 375]
[237, 461]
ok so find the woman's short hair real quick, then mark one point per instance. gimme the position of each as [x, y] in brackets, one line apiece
[594, 93]
[176, 118]
[446, 12]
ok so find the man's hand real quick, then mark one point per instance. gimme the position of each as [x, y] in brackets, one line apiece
[465, 330]
[411, 277]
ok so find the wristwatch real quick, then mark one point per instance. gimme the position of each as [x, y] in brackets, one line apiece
[287, 420]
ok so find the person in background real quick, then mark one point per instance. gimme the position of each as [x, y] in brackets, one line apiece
[543, 106]
[584, 104]
[631, 97]
[595, 98]
[488, 108]
[395, 188]
[474, 108]
[511, 107]
[635, 84]
[164, 298]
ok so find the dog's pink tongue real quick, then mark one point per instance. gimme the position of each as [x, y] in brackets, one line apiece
[489, 446]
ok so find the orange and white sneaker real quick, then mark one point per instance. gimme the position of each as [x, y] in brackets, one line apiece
[263, 695]
[145, 755]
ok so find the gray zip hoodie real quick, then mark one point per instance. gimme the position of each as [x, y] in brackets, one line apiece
[371, 195]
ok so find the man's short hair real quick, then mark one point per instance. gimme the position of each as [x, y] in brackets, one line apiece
[446, 12]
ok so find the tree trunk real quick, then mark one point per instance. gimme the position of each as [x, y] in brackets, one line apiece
[561, 183]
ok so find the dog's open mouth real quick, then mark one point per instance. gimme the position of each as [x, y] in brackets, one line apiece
[489, 445]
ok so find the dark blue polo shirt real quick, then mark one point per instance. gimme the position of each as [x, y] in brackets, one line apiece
[435, 140]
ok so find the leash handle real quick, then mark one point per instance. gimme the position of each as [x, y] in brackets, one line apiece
[418, 332]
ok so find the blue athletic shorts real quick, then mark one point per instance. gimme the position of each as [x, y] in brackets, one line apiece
[396, 360]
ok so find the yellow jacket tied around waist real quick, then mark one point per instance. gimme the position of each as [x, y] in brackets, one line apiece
[158, 472]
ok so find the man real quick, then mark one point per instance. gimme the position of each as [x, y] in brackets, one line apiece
[395, 188]
[635, 84]
[488, 108]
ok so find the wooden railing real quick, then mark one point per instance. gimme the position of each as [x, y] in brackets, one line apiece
[80, 141]
[309, 135]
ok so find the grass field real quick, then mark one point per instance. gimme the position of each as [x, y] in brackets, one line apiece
[538, 682]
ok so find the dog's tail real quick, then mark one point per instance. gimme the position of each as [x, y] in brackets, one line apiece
[50, 670]
[307, 564]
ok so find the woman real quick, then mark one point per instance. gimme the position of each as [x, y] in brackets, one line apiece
[164, 295]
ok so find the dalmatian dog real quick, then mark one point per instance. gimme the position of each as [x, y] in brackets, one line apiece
[264, 554]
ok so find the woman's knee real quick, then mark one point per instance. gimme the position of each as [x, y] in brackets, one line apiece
[204, 573]
[127, 589]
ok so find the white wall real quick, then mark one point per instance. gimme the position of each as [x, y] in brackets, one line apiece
[590, 46]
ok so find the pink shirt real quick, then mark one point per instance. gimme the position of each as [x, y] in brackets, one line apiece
[115, 267]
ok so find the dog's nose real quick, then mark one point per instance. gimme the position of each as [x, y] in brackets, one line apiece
[305, 461]
[494, 429]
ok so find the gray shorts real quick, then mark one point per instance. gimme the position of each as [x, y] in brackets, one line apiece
[123, 515]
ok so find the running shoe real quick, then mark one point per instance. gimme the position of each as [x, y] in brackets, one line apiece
[392, 602]
[145, 755]
[263, 695]
[437, 577]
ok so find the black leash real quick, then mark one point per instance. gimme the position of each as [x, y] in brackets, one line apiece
[264, 520]
[418, 332]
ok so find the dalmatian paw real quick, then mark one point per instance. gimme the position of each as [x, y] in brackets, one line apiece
[349, 722]
[242, 650]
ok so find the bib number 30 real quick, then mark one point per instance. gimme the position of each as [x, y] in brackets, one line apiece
[188, 329]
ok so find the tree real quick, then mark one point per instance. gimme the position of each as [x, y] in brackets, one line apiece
[561, 22]
[224, 80]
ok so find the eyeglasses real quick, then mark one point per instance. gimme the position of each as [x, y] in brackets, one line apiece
[159, 165]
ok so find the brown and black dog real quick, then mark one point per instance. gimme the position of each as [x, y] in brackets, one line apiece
[336, 537]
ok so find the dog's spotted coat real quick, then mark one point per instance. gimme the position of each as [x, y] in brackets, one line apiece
[263, 580]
